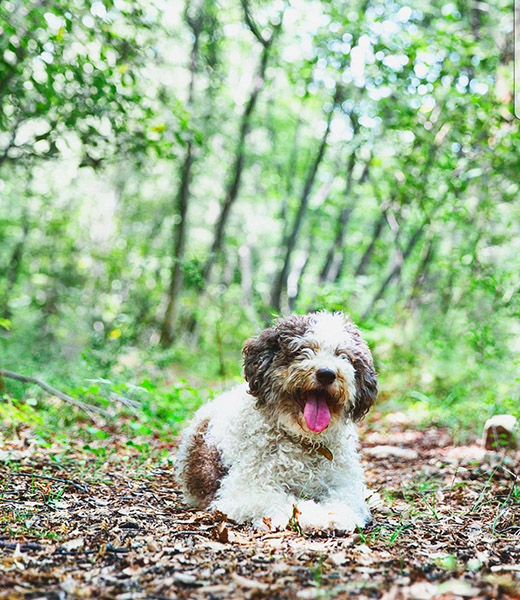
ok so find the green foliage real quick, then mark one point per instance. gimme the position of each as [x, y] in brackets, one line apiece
[106, 106]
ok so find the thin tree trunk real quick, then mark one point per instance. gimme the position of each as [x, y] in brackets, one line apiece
[235, 177]
[378, 227]
[397, 268]
[420, 274]
[281, 280]
[367, 254]
[299, 276]
[289, 179]
[343, 220]
[182, 198]
[293, 159]
[246, 274]
[12, 271]
[179, 243]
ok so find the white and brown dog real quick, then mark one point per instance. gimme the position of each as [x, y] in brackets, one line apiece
[284, 445]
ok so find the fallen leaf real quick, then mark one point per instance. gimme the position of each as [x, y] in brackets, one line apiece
[73, 544]
[251, 584]
[458, 587]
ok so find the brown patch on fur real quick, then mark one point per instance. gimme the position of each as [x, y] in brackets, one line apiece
[204, 470]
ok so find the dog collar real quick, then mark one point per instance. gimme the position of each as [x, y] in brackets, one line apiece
[324, 451]
[320, 449]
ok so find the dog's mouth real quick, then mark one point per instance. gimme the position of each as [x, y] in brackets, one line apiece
[316, 412]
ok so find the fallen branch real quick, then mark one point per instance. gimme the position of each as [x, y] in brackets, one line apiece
[131, 404]
[88, 408]
[78, 486]
[22, 545]
[108, 548]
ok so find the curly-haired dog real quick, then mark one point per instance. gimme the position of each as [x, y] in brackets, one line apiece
[287, 438]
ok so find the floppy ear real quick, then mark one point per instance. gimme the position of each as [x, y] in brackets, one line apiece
[258, 354]
[366, 379]
[366, 385]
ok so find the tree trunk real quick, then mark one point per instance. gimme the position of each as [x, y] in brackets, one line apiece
[182, 198]
[300, 274]
[343, 220]
[179, 243]
[281, 280]
[397, 268]
[246, 275]
[12, 271]
[235, 177]
[367, 254]
[420, 274]
[289, 179]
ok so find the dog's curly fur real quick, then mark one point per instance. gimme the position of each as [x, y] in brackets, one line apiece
[250, 452]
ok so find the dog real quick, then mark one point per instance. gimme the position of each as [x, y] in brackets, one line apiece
[281, 449]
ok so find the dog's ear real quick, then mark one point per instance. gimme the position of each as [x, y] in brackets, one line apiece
[258, 354]
[365, 376]
[366, 384]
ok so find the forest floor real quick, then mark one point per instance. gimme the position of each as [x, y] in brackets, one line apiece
[105, 520]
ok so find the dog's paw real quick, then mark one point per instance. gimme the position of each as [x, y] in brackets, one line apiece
[329, 516]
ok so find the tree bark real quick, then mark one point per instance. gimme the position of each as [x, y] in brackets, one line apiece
[397, 268]
[235, 177]
[289, 178]
[300, 274]
[343, 220]
[281, 279]
[367, 254]
[420, 274]
[182, 199]
[246, 274]
[179, 243]
[12, 271]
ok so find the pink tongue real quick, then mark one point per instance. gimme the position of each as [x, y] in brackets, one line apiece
[316, 412]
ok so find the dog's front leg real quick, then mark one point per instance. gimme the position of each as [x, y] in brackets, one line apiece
[263, 505]
[333, 513]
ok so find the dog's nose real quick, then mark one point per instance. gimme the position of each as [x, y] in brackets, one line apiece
[325, 376]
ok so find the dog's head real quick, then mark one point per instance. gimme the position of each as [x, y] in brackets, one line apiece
[311, 371]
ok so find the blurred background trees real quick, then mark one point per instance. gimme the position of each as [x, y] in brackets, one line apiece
[173, 175]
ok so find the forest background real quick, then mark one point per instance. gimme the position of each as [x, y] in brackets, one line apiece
[172, 176]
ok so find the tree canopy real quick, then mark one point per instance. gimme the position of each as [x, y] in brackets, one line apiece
[172, 176]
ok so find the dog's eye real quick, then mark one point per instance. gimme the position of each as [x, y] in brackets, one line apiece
[344, 356]
[308, 353]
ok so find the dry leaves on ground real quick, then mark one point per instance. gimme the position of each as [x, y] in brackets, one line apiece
[446, 525]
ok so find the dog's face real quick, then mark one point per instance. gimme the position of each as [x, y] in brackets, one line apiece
[311, 371]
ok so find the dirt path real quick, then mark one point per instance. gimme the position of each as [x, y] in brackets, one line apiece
[447, 525]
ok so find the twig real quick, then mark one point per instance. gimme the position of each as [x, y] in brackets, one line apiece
[108, 548]
[251, 24]
[254, 28]
[116, 549]
[131, 404]
[23, 545]
[79, 486]
[12, 501]
[88, 408]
